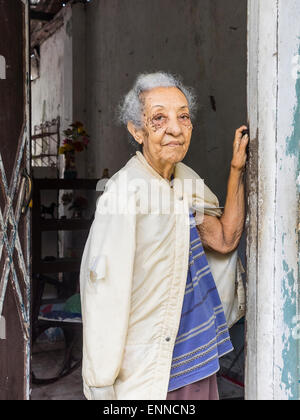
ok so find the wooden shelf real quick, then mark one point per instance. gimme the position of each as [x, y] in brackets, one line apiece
[65, 184]
[40, 225]
[65, 224]
[59, 265]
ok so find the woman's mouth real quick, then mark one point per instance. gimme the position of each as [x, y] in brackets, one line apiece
[174, 144]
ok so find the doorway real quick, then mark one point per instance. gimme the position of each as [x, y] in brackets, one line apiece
[91, 59]
[84, 55]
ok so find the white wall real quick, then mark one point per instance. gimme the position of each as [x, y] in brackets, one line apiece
[52, 91]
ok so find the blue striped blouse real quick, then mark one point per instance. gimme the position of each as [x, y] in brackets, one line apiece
[203, 335]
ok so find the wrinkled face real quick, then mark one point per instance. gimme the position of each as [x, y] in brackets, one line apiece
[167, 129]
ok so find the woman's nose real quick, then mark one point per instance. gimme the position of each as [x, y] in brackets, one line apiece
[173, 127]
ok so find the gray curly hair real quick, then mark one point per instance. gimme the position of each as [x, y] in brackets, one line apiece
[131, 106]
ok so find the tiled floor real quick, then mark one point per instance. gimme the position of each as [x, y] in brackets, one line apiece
[68, 388]
[46, 361]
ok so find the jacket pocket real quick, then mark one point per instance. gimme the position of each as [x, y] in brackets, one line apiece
[96, 272]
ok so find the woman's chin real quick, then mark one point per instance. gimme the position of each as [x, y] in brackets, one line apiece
[174, 156]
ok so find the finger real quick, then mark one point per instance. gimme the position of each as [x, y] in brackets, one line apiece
[244, 141]
[240, 144]
[237, 139]
[239, 131]
[236, 144]
[243, 127]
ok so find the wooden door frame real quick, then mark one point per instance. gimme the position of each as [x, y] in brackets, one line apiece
[273, 179]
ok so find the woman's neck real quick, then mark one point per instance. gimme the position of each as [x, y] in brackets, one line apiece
[165, 169]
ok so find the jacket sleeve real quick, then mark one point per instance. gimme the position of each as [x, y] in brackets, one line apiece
[105, 285]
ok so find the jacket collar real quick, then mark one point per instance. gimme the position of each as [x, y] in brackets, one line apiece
[196, 192]
[143, 160]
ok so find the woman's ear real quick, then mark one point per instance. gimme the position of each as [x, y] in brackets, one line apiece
[136, 134]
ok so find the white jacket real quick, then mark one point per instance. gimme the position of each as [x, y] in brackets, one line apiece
[132, 279]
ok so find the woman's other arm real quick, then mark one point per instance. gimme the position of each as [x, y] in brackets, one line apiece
[223, 234]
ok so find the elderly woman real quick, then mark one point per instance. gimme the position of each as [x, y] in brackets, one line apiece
[156, 279]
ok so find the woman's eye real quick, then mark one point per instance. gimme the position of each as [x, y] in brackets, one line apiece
[159, 118]
[185, 117]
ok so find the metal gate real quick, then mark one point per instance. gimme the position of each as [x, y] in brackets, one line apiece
[15, 186]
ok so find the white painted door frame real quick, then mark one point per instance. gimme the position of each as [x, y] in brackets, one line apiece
[272, 321]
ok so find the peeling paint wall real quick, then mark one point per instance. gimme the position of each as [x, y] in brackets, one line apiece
[52, 91]
[61, 88]
[272, 363]
[290, 169]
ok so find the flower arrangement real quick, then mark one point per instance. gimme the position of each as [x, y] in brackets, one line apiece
[76, 138]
